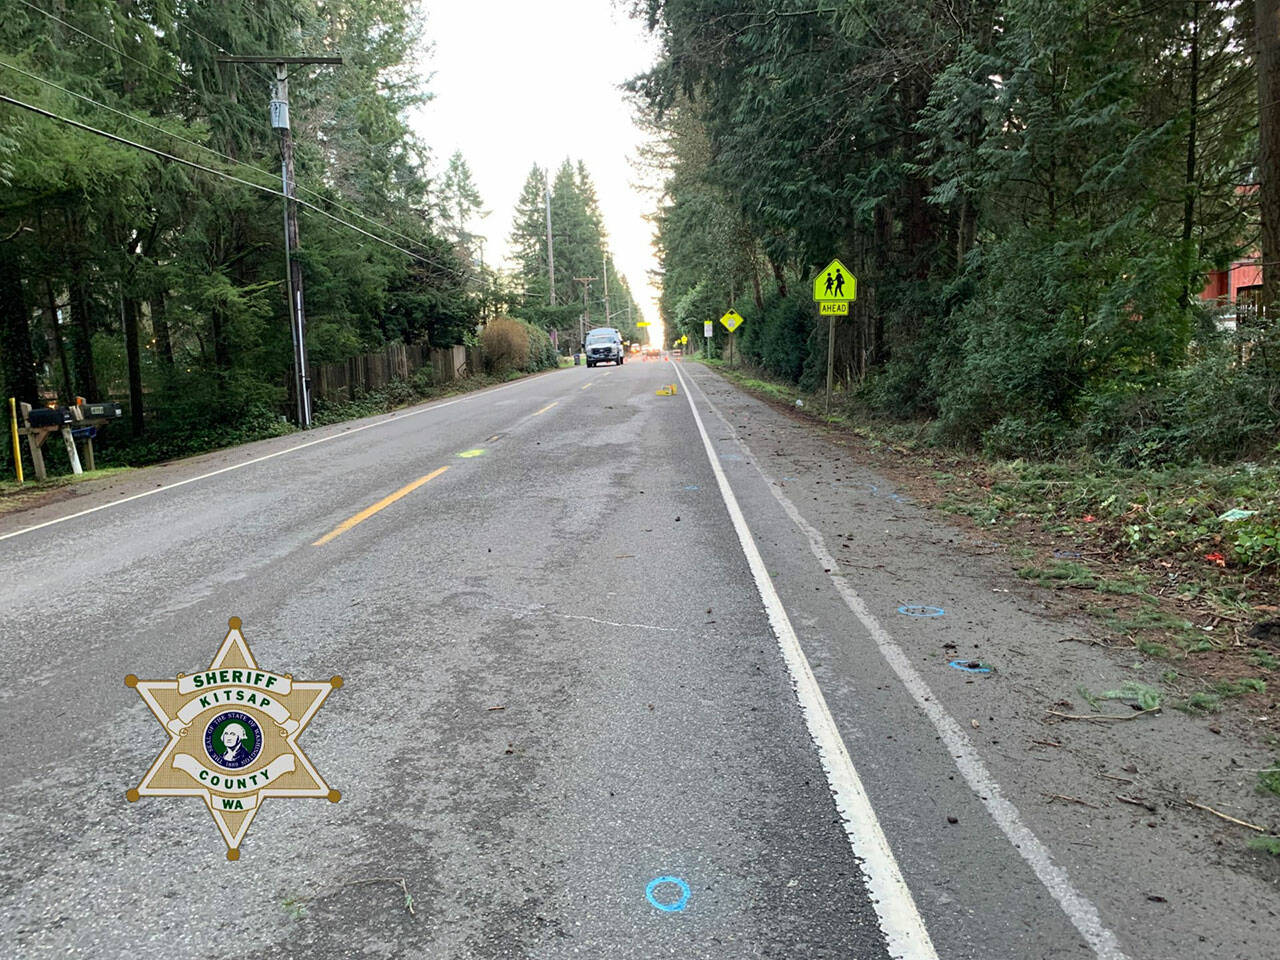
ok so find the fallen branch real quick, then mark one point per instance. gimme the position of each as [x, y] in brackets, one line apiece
[1111, 776]
[1101, 718]
[1047, 743]
[1219, 813]
[1137, 801]
[1083, 803]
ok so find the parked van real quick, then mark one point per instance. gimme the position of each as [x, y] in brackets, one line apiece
[604, 345]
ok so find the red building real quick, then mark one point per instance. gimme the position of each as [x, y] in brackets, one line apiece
[1242, 281]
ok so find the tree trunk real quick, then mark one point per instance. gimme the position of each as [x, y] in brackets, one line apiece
[1267, 13]
[129, 321]
[1190, 260]
[160, 327]
[779, 277]
[17, 360]
[82, 314]
[55, 341]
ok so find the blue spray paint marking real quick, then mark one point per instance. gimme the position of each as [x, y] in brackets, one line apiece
[964, 665]
[1067, 554]
[898, 497]
[917, 610]
[674, 907]
[730, 456]
[691, 486]
[871, 488]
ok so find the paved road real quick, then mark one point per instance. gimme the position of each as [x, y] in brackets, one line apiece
[607, 566]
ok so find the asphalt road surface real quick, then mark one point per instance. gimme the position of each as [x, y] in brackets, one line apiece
[605, 646]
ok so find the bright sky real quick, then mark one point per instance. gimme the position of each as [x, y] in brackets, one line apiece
[517, 83]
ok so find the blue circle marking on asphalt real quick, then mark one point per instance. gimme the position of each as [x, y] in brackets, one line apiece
[918, 610]
[676, 905]
[964, 665]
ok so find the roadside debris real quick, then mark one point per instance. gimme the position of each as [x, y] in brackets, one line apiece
[1229, 819]
[1101, 717]
[1137, 802]
[1236, 514]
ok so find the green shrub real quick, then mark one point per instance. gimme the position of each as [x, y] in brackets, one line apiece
[542, 354]
[506, 345]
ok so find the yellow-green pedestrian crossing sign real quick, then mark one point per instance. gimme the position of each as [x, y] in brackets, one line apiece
[731, 320]
[833, 285]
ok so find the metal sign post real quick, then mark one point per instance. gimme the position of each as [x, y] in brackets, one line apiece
[833, 289]
[731, 321]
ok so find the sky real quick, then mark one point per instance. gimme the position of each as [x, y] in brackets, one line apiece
[516, 83]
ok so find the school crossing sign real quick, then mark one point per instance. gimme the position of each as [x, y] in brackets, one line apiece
[833, 288]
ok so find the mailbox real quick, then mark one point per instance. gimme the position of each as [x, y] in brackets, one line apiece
[48, 416]
[101, 410]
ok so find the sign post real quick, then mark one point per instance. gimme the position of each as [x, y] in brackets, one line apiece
[833, 289]
[731, 321]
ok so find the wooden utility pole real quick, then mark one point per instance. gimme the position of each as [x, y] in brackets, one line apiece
[293, 268]
[551, 253]
[604, 271]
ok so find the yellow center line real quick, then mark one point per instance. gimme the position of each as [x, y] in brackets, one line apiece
[547, 407]
[368, 512]
[585, 385]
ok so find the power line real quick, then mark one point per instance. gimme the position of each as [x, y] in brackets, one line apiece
[220, 49]
[427, 260]
[218, 173]
[101, 43]
[168, 133]
[176, 136]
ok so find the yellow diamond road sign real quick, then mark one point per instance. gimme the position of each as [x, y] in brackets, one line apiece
[835, 283]
[731, 320]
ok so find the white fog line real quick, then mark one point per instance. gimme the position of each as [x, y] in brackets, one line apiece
[900, 922]
[398, 418]
[1079, 909]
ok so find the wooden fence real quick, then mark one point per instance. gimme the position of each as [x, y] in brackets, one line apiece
[396, 361]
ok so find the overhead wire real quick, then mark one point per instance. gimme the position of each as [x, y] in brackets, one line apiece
[297, 186]
[216, 172]
[100, 42]
[181, 160]
[200, 146]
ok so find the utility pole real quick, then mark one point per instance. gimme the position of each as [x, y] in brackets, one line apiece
[551, 253]
[293, 268]
[582, 325]
[604, 270]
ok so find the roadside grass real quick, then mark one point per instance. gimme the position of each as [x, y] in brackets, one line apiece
[14, 497]
[1144, 550]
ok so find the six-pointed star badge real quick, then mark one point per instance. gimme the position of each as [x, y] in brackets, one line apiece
[233, 737]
